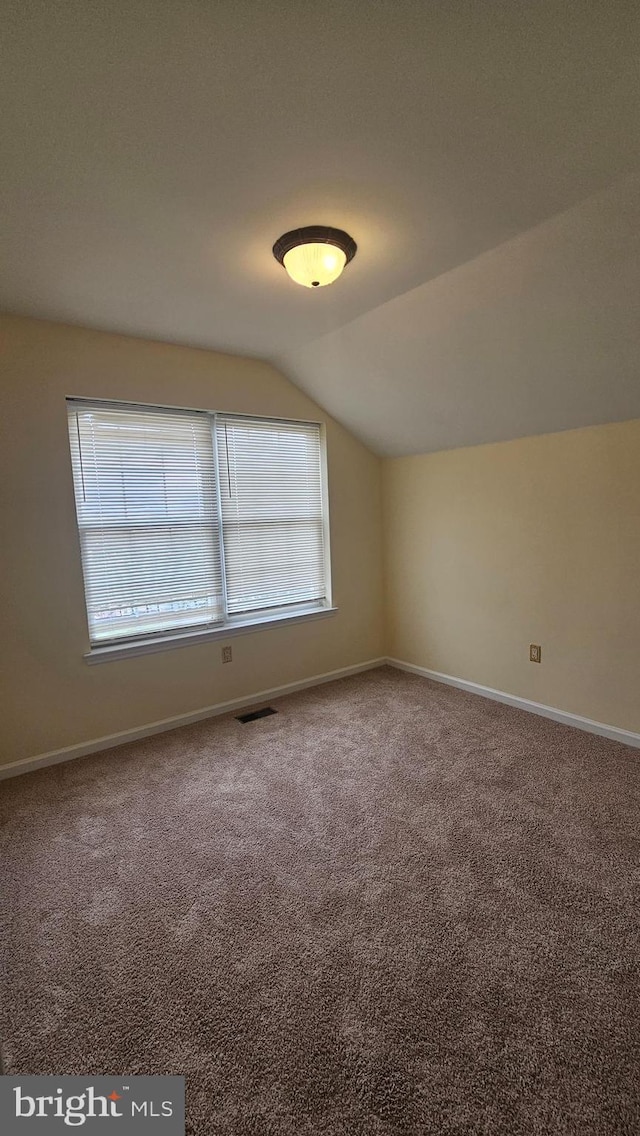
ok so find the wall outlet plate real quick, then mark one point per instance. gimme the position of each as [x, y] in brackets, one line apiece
[535, 653]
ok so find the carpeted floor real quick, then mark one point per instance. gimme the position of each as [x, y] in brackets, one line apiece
[390, 908]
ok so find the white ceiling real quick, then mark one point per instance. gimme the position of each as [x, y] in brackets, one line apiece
[485, 157]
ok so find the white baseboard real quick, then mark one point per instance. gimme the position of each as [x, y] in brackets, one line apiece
[83, 749]
[627, 737]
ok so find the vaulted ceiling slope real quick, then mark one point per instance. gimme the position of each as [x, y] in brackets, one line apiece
[484, 157]
[539, 334]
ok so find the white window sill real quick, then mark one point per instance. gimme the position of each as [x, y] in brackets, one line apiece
[113, 651]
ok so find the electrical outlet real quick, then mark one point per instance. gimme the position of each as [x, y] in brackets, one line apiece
[535, 653]
[227, 657]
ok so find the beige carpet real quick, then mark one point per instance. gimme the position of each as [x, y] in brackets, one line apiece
[391, 908]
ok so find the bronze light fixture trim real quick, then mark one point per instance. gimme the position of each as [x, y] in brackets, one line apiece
[315, 255]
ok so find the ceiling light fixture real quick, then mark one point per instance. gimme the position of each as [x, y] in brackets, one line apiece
[316, 255]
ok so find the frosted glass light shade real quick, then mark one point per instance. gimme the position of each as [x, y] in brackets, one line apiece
[314, 265]
[315, 255]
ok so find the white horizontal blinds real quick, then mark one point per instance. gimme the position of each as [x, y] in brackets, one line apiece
[146, 502]
[272, 513]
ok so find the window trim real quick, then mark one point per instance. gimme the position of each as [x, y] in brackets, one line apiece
[113, 650]
[133, 647]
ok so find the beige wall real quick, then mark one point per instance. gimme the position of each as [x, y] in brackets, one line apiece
[51, 698]
[491, 548]
[487, 550]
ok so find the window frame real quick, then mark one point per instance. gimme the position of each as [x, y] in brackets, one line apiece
[231, 625]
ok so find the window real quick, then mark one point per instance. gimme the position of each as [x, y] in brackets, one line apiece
[191, 521]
